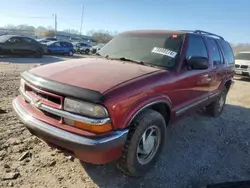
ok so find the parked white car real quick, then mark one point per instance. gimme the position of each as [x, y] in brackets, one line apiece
[96, 48]
[242, 63]
[81, 47]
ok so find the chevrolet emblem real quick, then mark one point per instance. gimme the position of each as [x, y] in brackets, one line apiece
[36, 103]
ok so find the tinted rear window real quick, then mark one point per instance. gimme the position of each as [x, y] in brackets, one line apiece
[215, 52]
[229, 56]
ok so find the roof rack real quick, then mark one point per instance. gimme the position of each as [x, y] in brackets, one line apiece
[203, 32]
[207, 33]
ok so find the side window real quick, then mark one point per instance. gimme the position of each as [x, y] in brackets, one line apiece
[215, 53]
[14, 40]
[57, 44]
[229, 56]
[221, 56]
[27, 40]
[196, 47]
[64, 44]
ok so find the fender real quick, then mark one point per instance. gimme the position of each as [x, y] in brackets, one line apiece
[228, 79]
[143, 104]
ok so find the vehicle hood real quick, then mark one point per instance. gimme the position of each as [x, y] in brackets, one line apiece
[92, 73]
[242, 62]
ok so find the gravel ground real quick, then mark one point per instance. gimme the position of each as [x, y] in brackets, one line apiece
[199, 149]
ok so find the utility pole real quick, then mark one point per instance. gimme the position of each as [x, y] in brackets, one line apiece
[81, 20]
[55, 24]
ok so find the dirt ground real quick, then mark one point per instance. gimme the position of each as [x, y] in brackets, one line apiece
[199, 149]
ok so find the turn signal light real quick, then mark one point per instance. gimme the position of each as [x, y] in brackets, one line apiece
[94, 128]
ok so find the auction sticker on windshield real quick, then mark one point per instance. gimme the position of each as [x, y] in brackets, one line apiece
[164, 51]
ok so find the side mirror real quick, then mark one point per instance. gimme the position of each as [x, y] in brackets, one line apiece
[198, 63]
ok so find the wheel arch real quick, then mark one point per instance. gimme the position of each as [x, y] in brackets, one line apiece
[228, 84]
[163, 106]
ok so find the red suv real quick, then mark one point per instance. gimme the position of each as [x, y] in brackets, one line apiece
[118, 104]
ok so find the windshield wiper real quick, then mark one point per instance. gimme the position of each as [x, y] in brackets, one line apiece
[130, 60]
[137, 62]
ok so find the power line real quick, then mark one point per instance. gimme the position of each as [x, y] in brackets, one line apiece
[32, 17]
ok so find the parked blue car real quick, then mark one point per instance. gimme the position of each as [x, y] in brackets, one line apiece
[64, 48]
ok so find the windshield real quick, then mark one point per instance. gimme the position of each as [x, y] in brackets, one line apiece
[50, 42]
[4, 38]
[75, 43]
[153, 48]
[242, 56]
[99, 45]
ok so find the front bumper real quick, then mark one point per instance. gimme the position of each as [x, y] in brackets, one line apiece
[77, 144]
[242, 72]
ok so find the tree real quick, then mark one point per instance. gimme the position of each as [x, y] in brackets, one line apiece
[41, 28]
[101, 36]
[47, 33]
[25, 27]
[10, 26]
[240, 47]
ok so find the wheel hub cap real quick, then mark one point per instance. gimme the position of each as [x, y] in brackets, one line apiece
[148, 145]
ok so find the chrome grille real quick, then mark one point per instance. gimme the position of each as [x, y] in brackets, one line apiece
[45, 97]
[244, 66]
[237, 66]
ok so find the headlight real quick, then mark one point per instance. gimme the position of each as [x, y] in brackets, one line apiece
[85, 108]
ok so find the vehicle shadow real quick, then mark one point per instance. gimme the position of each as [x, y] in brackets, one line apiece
[30, 60]
[200, 150]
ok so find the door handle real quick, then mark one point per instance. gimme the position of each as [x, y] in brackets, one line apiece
[209, 78]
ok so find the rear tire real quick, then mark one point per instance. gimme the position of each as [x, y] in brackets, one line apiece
[144, 144]
[71, 53]
[87, 51]
[39, 53]
[215, 109]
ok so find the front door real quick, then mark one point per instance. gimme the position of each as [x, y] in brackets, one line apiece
[193, 86]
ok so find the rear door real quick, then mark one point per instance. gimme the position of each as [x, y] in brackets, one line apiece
[229, 58]
[27, 45]
[219, 67]
[56, 48]
[64, 47]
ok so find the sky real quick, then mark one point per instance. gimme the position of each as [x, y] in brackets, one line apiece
[228, 18]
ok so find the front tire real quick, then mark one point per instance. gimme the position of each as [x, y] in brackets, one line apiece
[87, 51]
[144, 144]
[215, 109]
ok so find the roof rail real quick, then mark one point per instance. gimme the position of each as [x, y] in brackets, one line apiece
[207, 33]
